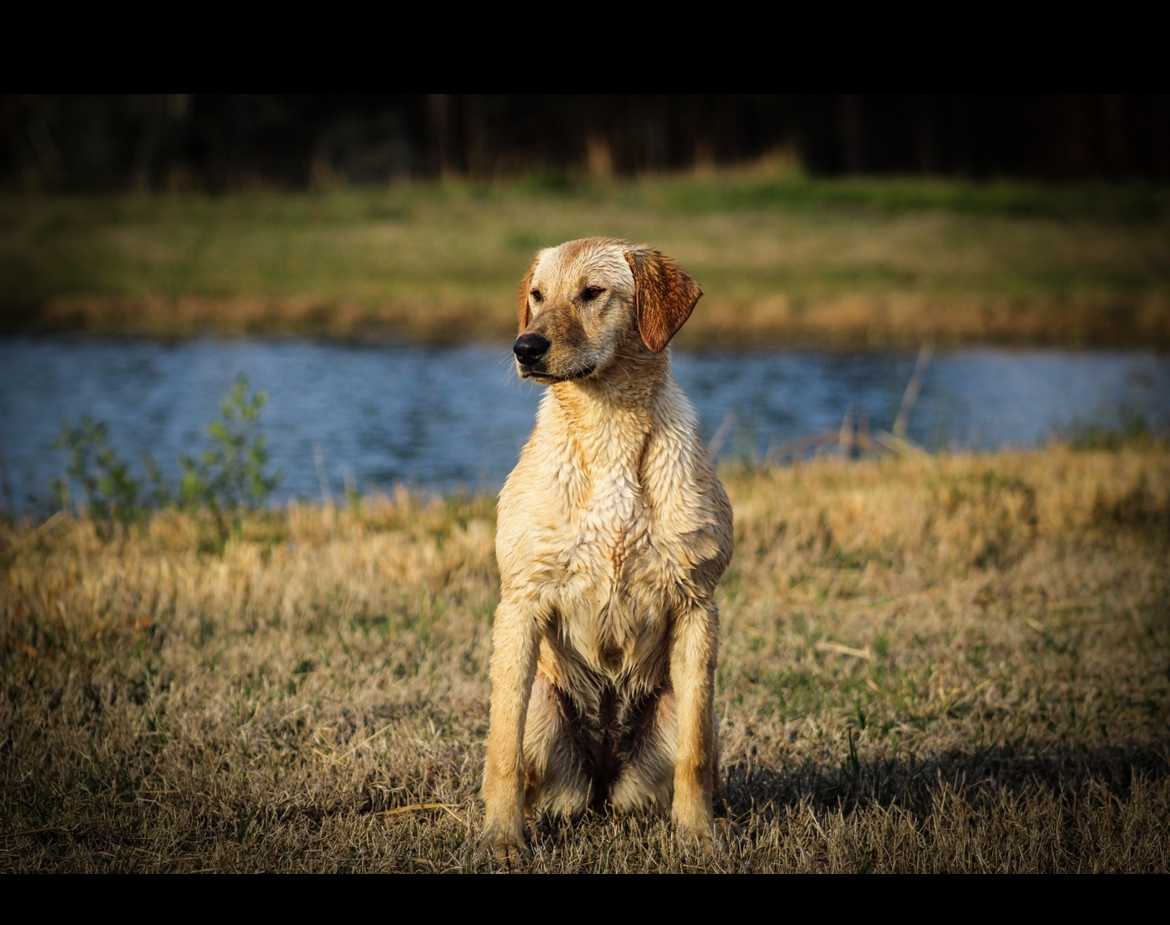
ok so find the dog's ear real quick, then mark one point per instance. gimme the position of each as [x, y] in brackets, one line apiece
[664, 296]
[522, 301]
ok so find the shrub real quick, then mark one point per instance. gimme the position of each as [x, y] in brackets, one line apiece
[229, 476]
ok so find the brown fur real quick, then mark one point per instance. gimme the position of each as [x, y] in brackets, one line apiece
[613, 531]
[664, 296]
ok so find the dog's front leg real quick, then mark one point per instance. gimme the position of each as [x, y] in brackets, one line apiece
[515, 644]
[693, 653]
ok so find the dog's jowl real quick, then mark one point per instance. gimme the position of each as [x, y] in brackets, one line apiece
[613, 531]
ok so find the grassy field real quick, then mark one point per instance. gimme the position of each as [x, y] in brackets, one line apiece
[783, 259]
[931, 664]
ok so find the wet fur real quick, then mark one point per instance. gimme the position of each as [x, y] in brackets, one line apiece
[613, 531]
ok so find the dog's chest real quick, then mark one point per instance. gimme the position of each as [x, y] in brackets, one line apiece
[613, 587]
[606, 530]
[608, 533]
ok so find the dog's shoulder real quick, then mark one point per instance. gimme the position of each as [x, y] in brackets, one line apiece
[689, 502]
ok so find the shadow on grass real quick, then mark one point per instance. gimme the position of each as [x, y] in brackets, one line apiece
[914, 785]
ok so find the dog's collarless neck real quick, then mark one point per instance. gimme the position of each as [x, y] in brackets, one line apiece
[607, 425]
[629, 387]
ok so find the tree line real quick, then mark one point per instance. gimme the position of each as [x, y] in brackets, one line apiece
[219, 142]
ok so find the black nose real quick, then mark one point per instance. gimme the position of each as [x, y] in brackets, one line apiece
[530, 347]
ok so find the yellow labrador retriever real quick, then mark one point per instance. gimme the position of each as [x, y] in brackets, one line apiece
[613, 530]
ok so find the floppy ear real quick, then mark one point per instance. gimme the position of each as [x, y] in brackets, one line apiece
[664, 296]
[522, 301]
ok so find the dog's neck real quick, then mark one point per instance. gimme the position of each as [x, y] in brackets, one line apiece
[627, 385]
[610, 415]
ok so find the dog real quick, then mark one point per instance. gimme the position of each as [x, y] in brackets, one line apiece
[613, 530]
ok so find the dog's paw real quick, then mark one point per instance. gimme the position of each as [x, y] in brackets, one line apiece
[700, 836]
[694, 823]
[699, 839]
[510, 847]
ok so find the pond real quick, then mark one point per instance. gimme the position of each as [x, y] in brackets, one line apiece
[438, 419]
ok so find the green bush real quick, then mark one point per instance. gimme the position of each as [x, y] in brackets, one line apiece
[108, 492]
[228, 477]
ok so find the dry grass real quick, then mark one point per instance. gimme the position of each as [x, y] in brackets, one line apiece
[951, 664]
[850, 263]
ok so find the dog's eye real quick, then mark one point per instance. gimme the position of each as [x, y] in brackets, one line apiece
[536, 296]
[591, 293]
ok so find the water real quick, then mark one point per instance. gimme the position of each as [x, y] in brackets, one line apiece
[441, 418]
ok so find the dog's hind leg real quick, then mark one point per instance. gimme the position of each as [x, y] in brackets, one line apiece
[555, 779]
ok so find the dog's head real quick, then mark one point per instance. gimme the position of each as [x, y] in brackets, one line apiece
[587, 302]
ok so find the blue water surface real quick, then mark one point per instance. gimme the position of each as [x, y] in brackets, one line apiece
[442, 418]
